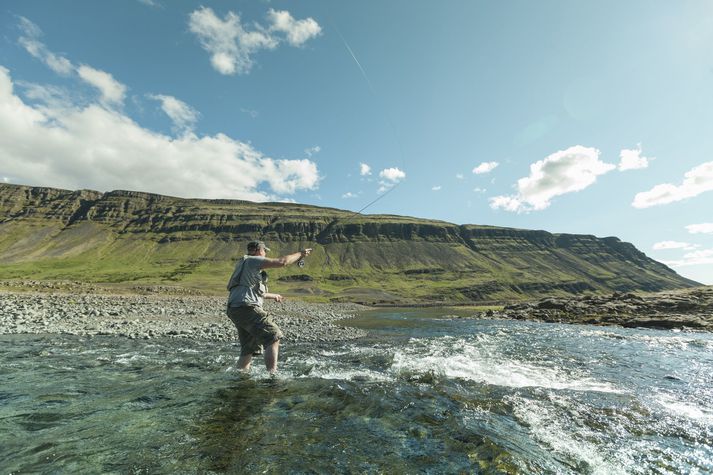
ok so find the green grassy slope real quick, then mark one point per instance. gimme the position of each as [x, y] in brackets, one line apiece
[131, 237]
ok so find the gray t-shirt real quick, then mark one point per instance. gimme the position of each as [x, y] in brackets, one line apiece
[244, 284]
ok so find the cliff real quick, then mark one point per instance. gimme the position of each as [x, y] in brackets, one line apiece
[133, 237]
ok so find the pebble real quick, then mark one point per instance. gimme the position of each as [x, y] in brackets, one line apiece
[154, 316]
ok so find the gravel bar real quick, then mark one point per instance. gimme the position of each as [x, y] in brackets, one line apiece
[153, 316]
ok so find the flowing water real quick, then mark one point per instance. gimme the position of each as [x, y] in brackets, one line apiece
[421, 394]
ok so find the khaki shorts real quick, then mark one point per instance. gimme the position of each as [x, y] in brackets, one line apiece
[255, 328]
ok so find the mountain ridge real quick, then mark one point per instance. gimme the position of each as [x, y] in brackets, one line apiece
[132, 236]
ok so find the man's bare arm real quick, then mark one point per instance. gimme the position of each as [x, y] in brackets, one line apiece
[283, 261]
[275, 297]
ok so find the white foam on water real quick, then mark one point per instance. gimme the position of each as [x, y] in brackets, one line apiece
[673, 340]
[324, 368]
[479, 361]
[188, 350]
[685, 409]
[129, 358]
[340, 374]
[560, 434]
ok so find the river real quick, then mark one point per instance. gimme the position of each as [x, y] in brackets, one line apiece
[426, 392]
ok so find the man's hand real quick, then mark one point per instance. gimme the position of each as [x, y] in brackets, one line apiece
[279, 298]
[306, 252]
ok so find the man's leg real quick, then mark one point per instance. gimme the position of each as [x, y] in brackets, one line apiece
[271, 352]
[244, 362]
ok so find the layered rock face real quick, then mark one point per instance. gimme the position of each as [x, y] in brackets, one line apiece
[126, 236]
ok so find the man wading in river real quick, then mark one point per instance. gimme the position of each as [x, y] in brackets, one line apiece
[247, 291]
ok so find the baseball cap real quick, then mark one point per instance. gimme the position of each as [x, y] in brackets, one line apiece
[257, 245]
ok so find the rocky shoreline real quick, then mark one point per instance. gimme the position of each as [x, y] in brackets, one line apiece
[681, 309]
[154, 316]
[147, 312]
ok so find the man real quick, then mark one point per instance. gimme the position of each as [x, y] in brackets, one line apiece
[247, 291]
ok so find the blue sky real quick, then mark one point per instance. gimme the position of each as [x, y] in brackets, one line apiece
[568, 116]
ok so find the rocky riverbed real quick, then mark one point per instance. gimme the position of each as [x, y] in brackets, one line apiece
[152, 316]
[683, 309]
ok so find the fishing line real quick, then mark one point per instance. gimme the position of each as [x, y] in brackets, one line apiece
[386, 116]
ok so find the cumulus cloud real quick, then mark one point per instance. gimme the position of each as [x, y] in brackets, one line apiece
[666, 245]
[563, 172]
[287, 176]
[56, 98]
[298, 32]
[631, 159]
[30, 40]
[231, 44]
[112, 91]
[459, 176]
[485, 167]
[364, 169]
[393, 175]
[313, 150]
[436, 188]
[349, 194]
[695, 181]
[94, 147]
[479, 190]
[702, 228]
[696, 258]
[181, 114]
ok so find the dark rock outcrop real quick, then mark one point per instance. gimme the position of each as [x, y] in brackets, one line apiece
[691, 308]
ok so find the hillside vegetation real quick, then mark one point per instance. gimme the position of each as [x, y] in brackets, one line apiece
[133, 238]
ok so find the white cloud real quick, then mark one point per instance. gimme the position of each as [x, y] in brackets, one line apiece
[702, 228]
[479, 190]
[30, 41]
[349, 194]
[298, 31]
[436, 188]
[364, 169]
[631, 159]
[563, 172]
[696, 181]
[485, 167]
[393, 175]
[52, 96]
[181, 114]
[508, 203]
[94, 147]
[150, 3]
[665, 245]
[313, 150]
[459, 176]
[696, 258]
[250, 112]
[231, 45]
[112, 91]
